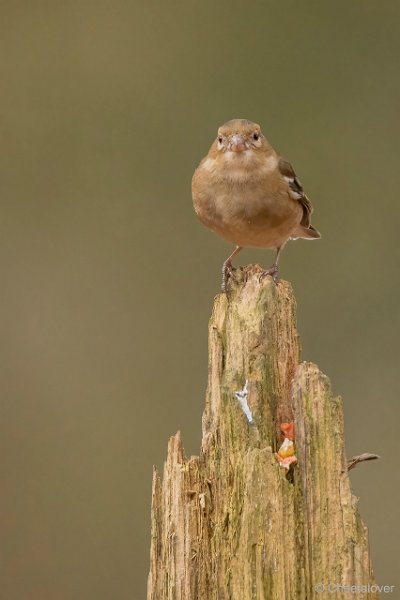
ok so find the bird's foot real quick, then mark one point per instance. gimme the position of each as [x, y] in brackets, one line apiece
[273, 271]
[227, 271]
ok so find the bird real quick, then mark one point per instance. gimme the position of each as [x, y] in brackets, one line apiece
[244, 191]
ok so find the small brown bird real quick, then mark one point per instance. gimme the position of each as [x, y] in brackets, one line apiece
[249, 195]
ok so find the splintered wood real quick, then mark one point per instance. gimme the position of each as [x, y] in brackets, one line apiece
[232, 524]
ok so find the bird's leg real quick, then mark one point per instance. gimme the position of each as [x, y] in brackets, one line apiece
[273, 271]
[227, 269]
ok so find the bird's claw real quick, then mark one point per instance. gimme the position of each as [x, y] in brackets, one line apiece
[227, 271]
[273, 271]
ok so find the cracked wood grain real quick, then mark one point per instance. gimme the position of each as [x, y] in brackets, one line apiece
[230, 524]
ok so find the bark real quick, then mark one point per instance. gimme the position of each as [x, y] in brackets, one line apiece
[231, 523]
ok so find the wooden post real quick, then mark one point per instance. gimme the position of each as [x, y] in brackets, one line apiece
[232, 524]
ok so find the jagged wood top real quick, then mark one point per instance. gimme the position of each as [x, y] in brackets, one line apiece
[230, 523]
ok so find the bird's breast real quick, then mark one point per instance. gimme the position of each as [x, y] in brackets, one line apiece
[245, 205]
[234, 167]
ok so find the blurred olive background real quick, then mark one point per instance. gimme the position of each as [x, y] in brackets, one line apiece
[107, 278]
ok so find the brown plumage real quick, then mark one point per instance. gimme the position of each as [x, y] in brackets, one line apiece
[249, 195]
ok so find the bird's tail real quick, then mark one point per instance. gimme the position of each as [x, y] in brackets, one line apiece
[306, 233]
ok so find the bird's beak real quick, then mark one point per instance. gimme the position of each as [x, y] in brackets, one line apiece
[237, 143]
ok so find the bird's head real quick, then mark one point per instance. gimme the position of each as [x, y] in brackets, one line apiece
[239, 153]
[238, 135]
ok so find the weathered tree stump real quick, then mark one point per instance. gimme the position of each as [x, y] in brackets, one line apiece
[232, 524]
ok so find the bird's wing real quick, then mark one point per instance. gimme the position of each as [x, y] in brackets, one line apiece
[296, 190]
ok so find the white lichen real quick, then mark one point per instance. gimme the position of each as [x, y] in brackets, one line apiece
[241, 396]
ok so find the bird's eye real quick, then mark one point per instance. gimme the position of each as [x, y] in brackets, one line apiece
[256, 136]
[220, 139]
